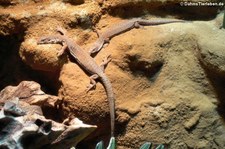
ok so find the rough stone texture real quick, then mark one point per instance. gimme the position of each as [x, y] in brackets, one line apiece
[168, 80]
[213, 55]
[24, 126]
[30, 92]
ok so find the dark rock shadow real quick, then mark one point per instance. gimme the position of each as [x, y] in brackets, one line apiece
[13, 70]
[218, 82]
[177, 9]
[150, 70]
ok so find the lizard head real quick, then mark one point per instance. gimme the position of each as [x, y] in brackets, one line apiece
[49, 39]
[97, 46]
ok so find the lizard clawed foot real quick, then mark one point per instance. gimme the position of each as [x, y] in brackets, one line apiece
[96, 31]
[60, 53]
[105, 62]
[90, 87]
[109, 57]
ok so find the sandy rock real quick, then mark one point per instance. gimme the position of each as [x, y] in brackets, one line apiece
[192, 121]
[14, 20]
[168, 80]
[212, 54]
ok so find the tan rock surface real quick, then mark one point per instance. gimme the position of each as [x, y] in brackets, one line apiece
[163, 76]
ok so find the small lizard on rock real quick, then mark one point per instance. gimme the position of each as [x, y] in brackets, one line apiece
[86, 62]
[123, 27]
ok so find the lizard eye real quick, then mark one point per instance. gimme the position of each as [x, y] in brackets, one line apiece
[43, 40]
[47, 40]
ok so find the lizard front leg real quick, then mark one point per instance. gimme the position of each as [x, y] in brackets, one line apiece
[96, 31]
[62, 50]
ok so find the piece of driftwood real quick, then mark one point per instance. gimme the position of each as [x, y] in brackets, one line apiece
[23, 125]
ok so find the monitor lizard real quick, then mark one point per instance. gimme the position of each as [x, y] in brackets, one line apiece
[123, 27]
[87, 63]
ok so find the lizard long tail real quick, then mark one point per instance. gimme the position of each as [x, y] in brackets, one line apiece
[111, 100]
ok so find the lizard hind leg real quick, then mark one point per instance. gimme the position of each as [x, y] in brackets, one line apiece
[92, 82]
[105, 62]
